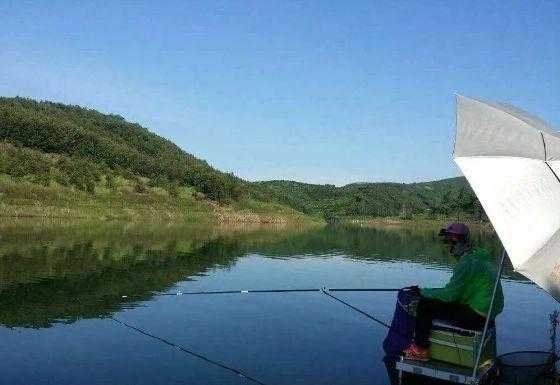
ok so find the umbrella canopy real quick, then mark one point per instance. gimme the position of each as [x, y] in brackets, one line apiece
[512, 162]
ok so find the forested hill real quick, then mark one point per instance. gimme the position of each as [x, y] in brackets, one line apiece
[443, 198]
[85, 145]
[58, 155]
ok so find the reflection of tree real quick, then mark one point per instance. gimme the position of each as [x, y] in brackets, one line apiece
[417, 244]
[61, 277]
[98, 290]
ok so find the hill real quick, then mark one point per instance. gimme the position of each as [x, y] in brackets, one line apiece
[61, 160]
[94, 144]
[443, 198]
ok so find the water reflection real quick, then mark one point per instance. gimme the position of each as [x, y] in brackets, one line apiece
[63, 273]
[58, 281]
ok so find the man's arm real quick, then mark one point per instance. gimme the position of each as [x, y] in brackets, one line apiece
[452, 291]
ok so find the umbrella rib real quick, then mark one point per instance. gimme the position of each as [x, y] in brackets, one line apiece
[552, 171]
[544, 146]
[546, 158]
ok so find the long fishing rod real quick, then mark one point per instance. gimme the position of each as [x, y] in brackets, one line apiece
[376, 289]
[323, 290]
[179, 293]
[240, 373]
[241, 291]
[187, 351]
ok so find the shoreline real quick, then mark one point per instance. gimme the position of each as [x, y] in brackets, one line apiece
[397, 222]
[25, 200]
[30, 200]
[215, 214]
[149, 214]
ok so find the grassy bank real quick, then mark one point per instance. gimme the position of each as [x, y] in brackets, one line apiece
[24, 199]
[438, 221]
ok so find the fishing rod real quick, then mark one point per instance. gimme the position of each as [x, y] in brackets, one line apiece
[209, 292]
[240, 373]
[376, 289]
[323, 290]
[186, 351]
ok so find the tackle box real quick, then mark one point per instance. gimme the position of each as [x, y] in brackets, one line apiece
[459, 346]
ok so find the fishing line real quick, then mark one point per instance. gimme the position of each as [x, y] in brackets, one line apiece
[326, 292]
[391, 328]
[179, 293]
[187, 351]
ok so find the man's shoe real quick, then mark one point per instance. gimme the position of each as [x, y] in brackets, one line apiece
[416, 353]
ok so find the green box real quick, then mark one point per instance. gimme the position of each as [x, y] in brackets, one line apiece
[460, 346]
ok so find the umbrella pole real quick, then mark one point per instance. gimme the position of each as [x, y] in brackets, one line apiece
[487, 323]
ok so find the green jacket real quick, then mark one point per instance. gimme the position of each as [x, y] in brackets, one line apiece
[472, 284]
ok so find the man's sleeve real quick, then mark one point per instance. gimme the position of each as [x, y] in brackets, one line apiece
[452, 291]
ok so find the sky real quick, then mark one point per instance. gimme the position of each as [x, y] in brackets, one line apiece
[316, 91]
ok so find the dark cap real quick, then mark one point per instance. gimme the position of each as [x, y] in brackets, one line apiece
[455, 229]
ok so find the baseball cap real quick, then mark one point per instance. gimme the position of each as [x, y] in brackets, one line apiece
[455, 228]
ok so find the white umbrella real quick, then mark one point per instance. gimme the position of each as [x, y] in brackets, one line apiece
[512, 162]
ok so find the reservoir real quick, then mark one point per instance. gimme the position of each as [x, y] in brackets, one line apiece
[63, 285]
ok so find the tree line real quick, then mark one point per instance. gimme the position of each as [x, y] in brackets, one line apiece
[89, 143]
[444, 198]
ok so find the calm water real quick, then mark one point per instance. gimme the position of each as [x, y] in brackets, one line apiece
[59, 283]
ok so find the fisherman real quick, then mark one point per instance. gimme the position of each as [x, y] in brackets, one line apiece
[465, 300]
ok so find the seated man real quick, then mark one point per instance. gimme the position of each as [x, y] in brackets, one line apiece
[465, 300]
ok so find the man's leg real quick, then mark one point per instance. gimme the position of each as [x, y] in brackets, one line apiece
[428, 310]
[464, 317]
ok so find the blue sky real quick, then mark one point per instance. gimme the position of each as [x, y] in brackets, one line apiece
[316, 91]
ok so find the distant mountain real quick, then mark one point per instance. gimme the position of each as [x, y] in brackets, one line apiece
[438, 198]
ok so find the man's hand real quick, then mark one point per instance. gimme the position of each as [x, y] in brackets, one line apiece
[414, 289]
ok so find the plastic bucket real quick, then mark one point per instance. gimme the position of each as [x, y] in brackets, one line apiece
[524, 367]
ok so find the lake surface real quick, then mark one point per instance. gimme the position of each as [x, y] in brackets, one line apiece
[59, 283]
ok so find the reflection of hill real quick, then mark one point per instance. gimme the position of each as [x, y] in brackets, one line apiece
[85, 275]
[50, 274]
[405, 243]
